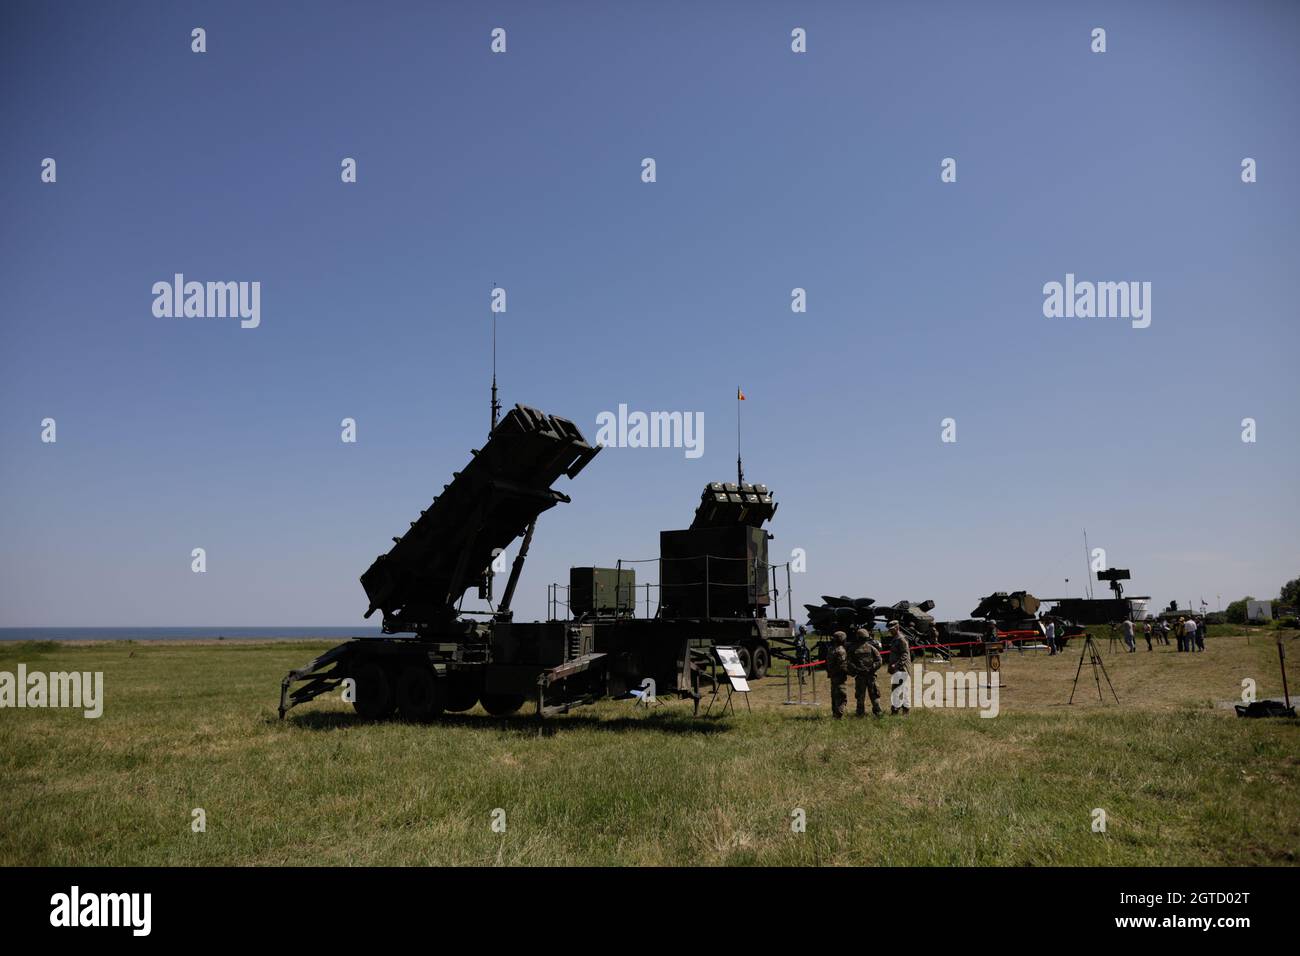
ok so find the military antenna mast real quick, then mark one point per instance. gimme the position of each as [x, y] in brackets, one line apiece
[740, 471]
[1087, 564]
[496, 404]
[485, 584]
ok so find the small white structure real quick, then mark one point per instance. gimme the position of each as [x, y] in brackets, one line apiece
[1259, 610]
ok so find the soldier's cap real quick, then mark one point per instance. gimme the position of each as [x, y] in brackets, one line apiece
[838, 637]
[893, 624]
[861, 633]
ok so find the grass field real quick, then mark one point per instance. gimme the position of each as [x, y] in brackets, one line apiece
[187, 726]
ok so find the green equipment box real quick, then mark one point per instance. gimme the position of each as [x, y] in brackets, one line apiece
[601, 591]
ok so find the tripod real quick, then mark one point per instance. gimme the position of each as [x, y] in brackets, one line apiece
[1098, 670]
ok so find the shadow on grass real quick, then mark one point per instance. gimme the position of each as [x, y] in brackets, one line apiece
[524, 724]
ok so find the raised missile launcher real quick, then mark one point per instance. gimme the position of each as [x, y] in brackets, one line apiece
[718, 567]
[496, 498]
[449, 662]
[724, 504]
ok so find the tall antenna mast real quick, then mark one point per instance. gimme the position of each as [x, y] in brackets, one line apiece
[1087, 564]
[740, 471]
[496, 405]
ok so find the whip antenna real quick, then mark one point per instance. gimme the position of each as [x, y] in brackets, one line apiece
[496, 405]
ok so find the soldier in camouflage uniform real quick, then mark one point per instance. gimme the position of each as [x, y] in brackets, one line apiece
[900, 661]
[864, 661]
[837, 668]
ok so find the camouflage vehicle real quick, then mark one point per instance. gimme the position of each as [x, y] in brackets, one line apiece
[1015, 615]
[433, 657]
[1004, 606]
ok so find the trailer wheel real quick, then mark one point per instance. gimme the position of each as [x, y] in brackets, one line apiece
[462, 693]
[374, 691]
[419, 693]
[746, 660]
[499, 705]
[761, 662]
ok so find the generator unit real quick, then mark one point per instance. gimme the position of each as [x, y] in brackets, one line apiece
[602, 591]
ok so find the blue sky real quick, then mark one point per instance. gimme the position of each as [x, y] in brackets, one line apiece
[775, 171]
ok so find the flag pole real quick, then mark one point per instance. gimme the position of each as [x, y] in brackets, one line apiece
[740, 471]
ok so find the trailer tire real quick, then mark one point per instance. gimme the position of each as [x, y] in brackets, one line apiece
[761, 662]
[374, 691]
[746, 660]
[419, 693]
[501, 705]
[462, 693]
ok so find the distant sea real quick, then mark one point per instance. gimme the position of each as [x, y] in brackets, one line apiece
[180, 633]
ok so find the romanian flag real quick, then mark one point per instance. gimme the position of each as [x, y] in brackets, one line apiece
[740, 396]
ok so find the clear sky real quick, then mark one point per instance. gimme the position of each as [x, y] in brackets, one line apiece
[775, 170]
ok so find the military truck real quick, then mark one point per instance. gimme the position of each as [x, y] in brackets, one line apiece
[434, 657]
[1083, 611]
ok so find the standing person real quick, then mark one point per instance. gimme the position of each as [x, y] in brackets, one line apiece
[900, 662]
[1164, 632]
[837, 668]
[1049, 631]
[1180, 634]
[1146, 632]
[1190, 629]
[864, 661]
[1200, 634]
[1127, 627]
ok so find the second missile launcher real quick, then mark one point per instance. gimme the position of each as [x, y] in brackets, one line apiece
[718, 567]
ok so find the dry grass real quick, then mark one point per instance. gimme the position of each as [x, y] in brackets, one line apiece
[1182, 782]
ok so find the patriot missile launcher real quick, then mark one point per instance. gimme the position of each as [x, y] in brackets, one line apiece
[443, 660]
[434, 657]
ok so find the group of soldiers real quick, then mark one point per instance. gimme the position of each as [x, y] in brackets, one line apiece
[860, 660]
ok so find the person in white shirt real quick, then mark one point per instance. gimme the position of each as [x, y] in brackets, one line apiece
[1189, 628]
